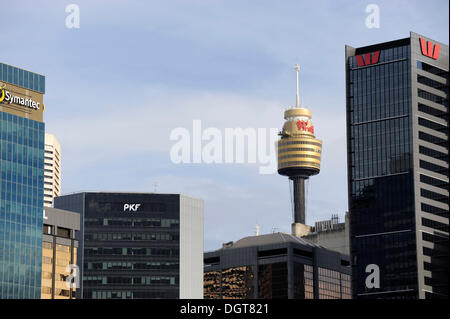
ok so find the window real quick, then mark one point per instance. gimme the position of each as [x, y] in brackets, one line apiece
[63, 232]
[432, 69]
[47, 229]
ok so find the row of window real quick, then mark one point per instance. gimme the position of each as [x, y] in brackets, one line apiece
[434, 181]
[122, 265]
[132, 222]
[432, 69]
[298, 142]
[315, 150]
[434, 224]
[132, 236]
[433, 125]
[298, 156]
[105, 251]
[432, 97]
[23, 78]
[433, 139]
[434, 210]
[433, 167]
[433, 153]
[128, 280]
[433, 111]
[432, 83]
[298, 163]
[118, 294]
[434, 196]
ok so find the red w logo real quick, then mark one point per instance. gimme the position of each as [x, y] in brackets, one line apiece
[368, 60]
[305, 126]
[428, 50]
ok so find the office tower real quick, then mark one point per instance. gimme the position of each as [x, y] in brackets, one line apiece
[59, 253]
[397, 151]
[138, 245]
[52, 169]
[275, 266]
[331, 234]
[21, 181]
[299, 155]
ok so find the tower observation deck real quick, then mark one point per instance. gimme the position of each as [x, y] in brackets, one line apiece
[299, 153]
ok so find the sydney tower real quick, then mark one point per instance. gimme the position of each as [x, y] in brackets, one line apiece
[299, 155]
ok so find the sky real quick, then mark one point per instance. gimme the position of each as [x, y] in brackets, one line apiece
[117, 86]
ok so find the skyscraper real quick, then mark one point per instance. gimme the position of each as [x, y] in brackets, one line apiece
[21, 181]
[397, 151]
[138, 245]
[52, 169]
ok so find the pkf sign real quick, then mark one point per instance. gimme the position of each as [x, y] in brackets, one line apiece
[131, 207]
[368, 59]
[428, 49]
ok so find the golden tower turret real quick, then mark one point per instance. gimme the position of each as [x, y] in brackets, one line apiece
[299, 155]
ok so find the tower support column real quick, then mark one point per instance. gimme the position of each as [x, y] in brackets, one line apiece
[299, 227]
[299, 199]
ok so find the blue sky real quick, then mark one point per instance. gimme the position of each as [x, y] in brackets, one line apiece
[135, 70]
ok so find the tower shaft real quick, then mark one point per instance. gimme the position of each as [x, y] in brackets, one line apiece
[299, 199]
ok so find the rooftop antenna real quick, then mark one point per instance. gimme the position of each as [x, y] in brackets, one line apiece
[257, 230]
[155, 186]
[297, 69]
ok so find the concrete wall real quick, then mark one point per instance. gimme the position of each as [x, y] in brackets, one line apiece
[191, 248]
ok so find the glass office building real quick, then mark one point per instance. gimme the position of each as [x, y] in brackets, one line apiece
[138, 245]
[21, 183]
[397, 146]
[276, 266]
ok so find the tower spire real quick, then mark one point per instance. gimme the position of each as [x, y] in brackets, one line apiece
[297, 69]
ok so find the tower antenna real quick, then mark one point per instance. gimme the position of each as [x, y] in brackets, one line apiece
[297, 69]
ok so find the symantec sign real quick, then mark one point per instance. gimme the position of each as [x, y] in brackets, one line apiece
[428, 49]
[6, 96]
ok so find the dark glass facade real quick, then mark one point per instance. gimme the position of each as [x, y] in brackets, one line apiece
[128, 254]
[21, 205]
[381, 190]
[272, 281]
[275, 266]
[387, 107]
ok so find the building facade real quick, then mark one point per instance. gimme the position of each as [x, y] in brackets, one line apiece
[331, 234]
[276, 266]
[138, 245]
[21, 181]
[52, 169]
[397, 146]
[59, 253]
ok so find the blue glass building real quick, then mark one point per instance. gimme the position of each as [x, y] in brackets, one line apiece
[21, 183]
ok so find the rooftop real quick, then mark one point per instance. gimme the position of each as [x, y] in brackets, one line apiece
[268, 239]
